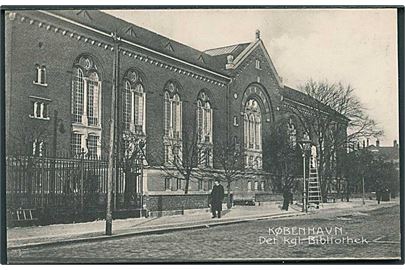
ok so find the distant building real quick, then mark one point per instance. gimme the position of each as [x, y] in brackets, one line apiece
[386, 153]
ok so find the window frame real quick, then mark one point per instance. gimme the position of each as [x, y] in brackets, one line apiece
[41, 75]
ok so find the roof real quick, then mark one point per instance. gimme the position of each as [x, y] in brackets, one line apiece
[301, 97]
[232, 49]
[221, 54]
[136, 34]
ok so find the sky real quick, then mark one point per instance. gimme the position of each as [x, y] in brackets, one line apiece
[352, 46]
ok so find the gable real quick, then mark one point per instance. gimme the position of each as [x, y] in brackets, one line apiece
[255, 49]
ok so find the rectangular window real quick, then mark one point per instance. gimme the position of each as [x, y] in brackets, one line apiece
[178, 184]
[92, 146]
[256, 185]
[127, 109]
[167, 183]
[167, 116]
[138, 112]
[262, 185]
[249, 185]
[76, 144]
[258, 64]
[92, 103]
[200, 184]
[40, 110]
[78, 99]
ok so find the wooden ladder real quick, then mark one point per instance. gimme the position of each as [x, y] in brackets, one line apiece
[314, 187]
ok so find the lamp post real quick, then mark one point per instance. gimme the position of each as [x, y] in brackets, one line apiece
[305, 145]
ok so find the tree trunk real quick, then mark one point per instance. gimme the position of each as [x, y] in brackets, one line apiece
[228, 190]
[186, 187]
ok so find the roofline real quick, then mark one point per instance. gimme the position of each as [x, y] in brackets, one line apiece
[242, 56]
[232, 45]
[134, 44]
[321, 110]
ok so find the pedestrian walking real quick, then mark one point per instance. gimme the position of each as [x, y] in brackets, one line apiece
[217, 195]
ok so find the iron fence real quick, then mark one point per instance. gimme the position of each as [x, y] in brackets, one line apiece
[67, 184]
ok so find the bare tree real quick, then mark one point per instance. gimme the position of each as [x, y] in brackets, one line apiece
[132, 155]
[283, 159]
[336, 119]
[230, 158]
[22, 141]
[186, 159]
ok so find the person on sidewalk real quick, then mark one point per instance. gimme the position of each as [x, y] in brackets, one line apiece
[217, 195]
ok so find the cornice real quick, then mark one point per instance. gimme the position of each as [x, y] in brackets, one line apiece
[128, 52]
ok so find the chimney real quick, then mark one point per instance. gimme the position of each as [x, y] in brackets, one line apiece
[395, 143]
[377, 143]
[229, 63]
[257, 34]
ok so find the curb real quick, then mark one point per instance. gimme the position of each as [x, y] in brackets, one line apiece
[166, 230]
[151, 231]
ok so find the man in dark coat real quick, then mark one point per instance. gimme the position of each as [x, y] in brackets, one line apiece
[217, 195]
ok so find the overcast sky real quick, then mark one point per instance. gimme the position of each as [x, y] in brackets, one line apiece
[356, 46]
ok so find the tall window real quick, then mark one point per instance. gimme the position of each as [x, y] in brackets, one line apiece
[92, 145]
[134, 104]
[76, 144]
[86, 92]
[172, 112]
[77, 95]
[258, 66]
[252, 125]
[172, 119]
[204, 118]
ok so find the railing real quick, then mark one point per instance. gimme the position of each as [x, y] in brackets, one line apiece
[42, 182]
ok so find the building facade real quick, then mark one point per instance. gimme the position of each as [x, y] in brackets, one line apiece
[61, 67]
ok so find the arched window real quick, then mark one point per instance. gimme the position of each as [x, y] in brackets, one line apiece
[134, 104]
[204, 118]
[86, 92]
[176, 117]
[168, 113]
[252, 125]
[86, 107]
[172, 112]
[77, 95]
[93, 99]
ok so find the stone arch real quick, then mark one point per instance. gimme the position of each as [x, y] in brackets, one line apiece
[257, 92]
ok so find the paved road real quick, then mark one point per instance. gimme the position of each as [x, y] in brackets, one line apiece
[377, 233]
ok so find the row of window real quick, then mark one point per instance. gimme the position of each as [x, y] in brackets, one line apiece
[40, 109]
[86, 109]
[258, 186]
[173, 184]
[88, 146]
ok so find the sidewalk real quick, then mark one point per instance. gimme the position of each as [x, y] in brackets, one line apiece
[91, 231]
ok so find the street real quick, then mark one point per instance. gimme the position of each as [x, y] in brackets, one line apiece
[352, 234]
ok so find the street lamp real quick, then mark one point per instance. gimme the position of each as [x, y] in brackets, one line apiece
[305, 146]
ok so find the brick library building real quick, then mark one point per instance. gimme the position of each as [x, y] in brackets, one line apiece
[61, 70]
